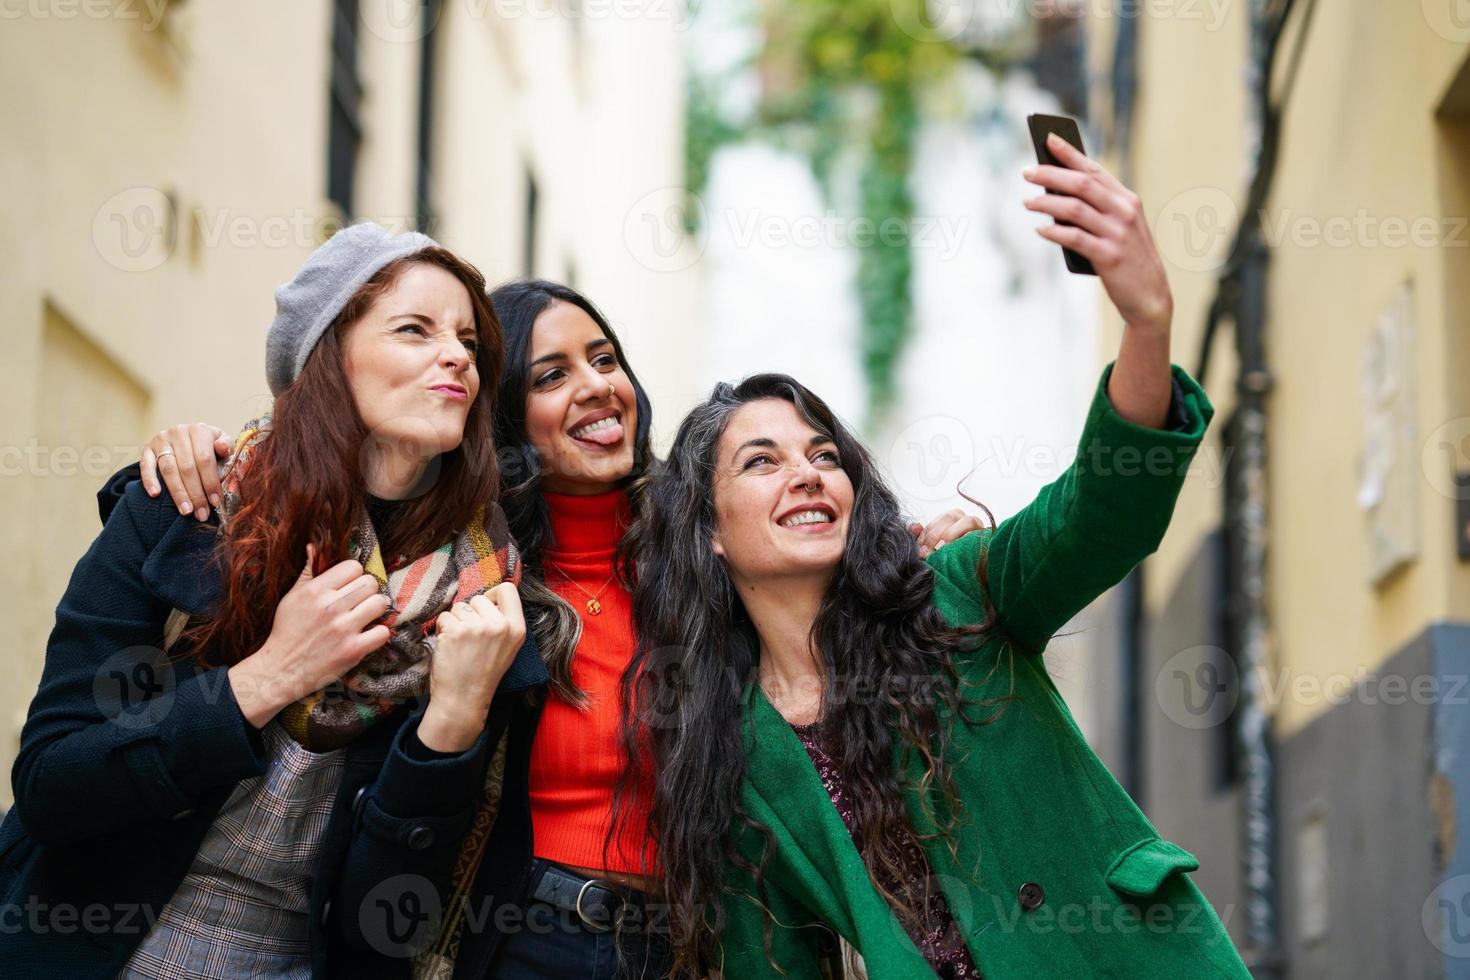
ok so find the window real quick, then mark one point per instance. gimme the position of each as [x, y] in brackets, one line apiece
[528, 239]
[344, 127]
[428, 50]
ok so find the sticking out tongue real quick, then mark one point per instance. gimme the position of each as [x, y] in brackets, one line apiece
[609, 436]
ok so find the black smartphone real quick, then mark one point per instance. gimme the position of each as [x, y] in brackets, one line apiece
[1066, 128]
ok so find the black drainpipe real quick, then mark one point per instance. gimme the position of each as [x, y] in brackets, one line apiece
[1241, 298]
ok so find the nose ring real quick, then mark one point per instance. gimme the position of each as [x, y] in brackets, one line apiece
[612, 389]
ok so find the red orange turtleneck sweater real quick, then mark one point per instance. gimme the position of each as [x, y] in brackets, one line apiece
[578, 755]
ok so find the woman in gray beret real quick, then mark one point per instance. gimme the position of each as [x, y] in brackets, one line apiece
[245, 726]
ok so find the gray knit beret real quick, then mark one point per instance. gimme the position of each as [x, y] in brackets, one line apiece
[308, 304]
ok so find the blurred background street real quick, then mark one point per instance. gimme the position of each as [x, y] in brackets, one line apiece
[832, 188]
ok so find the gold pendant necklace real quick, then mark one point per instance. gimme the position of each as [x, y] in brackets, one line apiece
[593, 605]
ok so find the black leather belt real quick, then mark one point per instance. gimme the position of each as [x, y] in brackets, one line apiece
[599, 903]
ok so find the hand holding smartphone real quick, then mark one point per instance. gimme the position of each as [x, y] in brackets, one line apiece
[1065, 127]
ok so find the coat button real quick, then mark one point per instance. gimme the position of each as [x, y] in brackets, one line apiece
[357, 798]
[1031, 896]
[183, 814]
[420, 838]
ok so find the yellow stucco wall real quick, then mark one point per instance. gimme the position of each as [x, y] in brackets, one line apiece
[1363, 159]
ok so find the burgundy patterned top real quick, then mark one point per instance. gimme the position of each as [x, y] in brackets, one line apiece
[939, 941]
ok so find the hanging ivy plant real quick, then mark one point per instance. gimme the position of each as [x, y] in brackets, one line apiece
[817, 52]
[705, 131]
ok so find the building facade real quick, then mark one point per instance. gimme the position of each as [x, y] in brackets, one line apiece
[168, 164]
[1286, 696]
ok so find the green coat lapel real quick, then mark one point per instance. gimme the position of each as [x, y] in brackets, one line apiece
[829, 874]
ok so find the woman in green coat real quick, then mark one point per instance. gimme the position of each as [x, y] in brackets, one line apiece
[851, 742]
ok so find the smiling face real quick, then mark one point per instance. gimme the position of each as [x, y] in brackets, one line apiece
[410, 360]
[581, 410]
[782, 499]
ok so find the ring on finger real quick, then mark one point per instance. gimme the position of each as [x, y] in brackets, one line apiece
[167, 452]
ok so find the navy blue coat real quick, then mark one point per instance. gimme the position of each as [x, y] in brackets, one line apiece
[125, 760]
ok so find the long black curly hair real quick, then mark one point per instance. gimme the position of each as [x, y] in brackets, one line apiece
[877, 632]
[552, 621]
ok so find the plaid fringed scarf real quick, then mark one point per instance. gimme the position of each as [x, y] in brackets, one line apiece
[478, 559]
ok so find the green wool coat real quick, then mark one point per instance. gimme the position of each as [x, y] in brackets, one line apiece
[1058, 874]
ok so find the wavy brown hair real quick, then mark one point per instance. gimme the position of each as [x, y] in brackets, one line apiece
[305, 482]
[887, 652]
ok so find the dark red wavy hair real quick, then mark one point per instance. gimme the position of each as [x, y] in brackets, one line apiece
[305, 482]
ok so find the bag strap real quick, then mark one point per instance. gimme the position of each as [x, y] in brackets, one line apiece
[173, 627]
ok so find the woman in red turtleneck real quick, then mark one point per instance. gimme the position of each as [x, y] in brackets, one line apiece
[578, 756]
[569, 854]
[573, 433]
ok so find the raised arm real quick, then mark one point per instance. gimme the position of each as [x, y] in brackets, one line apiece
[1088, 528]
[1109, 510]
[1109, 227]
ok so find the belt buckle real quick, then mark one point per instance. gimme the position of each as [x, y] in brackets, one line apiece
[589, 923]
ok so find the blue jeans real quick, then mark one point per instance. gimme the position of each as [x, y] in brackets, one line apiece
[554, 944]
